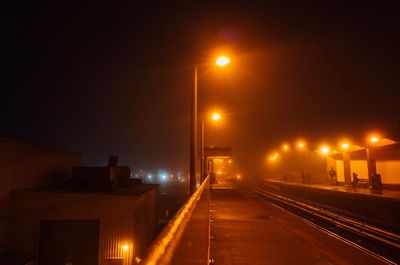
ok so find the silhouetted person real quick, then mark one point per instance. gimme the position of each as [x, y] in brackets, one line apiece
[307, 175]
[303, 177]
[333, 176]
[355, 180]
[213, 178]
[285, 178]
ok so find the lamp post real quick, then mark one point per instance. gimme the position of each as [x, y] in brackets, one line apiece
[346, 163]
[221, 61]
[193, 135]
[215, 117]
[371, 158]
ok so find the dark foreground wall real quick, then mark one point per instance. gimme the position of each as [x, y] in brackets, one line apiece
[25, 166]
[383, 210]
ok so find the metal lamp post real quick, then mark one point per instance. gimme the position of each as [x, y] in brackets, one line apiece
[221, 61]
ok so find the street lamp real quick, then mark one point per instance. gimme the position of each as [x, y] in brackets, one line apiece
[374, 139]
[325, 150]
[216, 116]
[221, 61]
[285, 147]
[345, 146]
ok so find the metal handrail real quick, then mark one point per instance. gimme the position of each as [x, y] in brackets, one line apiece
[163, 247]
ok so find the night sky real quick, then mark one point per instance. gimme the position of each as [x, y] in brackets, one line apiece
[114, 77]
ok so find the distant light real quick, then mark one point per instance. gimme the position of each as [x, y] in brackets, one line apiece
[163, 176]
[216, 116]
[324, 150]
[230, 161]
[273, 157]
[149, 176]
[125, 247]
[345, 146]
[373, 139]
[222, 61]
[300, 145]
[285, 147]
[238, 176]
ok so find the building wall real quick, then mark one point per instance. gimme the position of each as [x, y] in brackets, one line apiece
[339, 170]
[389, 170]
[127, 223]
[24, 165]
[359, 167]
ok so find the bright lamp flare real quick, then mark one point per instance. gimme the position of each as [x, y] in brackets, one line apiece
[216, 116]
[345, 146]
[374, 139]
[222, 61]
[125, 247]
[324, 150]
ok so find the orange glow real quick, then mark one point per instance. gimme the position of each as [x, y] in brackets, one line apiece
[374, 139]
[273, 157]
[238, 176]
[345, 146]
[325, 150]
[125, 247]
[216, 116]
[300, 145]
[285, 147]
[222, 61]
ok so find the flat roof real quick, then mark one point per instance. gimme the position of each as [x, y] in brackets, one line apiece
[135, 190]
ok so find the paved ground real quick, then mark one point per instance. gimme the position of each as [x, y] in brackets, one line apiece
[248, 230]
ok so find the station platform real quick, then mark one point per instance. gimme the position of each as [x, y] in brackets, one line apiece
[341, 188]
[246, 229]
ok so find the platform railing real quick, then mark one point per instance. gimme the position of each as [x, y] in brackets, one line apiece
[185, 239]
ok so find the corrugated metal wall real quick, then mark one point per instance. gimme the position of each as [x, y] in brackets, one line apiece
[127, 223]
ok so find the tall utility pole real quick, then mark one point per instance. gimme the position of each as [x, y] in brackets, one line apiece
[193, 136]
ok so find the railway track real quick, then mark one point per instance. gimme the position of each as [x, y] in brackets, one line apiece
[374, 240]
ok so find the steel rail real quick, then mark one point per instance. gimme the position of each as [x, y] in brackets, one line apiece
[339, 220]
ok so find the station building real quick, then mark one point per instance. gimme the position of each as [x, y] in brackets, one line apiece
[387, 160]
[56, 212]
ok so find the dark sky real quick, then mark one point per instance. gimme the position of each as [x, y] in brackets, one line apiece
[115, 78]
